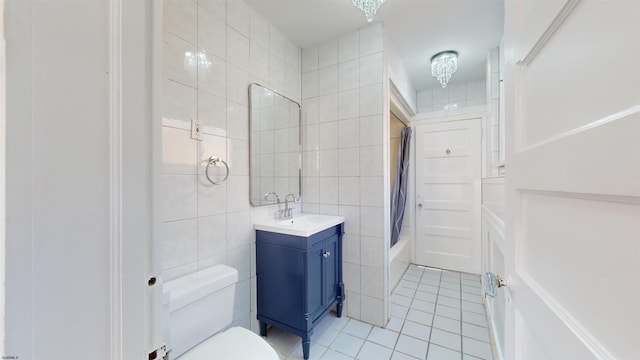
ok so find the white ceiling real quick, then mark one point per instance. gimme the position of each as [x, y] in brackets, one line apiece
[419, 29]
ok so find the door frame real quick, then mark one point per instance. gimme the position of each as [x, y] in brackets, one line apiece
[469, 113]
[135, 63]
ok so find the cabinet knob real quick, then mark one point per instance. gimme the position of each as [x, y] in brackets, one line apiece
[326, 254]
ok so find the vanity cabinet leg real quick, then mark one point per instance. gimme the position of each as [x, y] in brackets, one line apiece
[340, 298]
[263, 328]
[306, 343]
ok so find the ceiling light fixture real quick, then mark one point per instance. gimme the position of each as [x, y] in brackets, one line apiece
[369, 7]
[443, 65]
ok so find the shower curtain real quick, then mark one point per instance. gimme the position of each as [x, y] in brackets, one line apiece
[400, 185]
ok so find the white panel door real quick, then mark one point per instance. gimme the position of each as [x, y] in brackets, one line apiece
[572, 181]
[448, 170]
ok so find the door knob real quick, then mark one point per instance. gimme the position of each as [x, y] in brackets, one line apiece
[420, 205]
[326, 254]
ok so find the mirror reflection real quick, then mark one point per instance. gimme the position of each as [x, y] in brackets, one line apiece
[275, 146]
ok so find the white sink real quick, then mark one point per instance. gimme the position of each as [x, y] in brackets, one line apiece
[303, 225]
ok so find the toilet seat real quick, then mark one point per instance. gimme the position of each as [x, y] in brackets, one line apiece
[236, 343]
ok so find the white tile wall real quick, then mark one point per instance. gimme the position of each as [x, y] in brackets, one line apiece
[455, 96]
[204, 225]
[342, 88]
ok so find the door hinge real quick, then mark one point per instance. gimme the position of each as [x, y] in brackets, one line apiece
[159, 353]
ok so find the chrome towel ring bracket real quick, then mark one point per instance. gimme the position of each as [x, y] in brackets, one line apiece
[213, 161]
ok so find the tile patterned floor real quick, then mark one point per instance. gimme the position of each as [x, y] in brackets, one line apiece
[435, 315]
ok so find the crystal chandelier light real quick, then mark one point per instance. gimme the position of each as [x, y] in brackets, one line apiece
[369, 7]
[443, 65]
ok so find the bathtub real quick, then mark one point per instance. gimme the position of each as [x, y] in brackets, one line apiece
[399, 259]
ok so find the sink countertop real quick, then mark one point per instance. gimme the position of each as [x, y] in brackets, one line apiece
[302, 225]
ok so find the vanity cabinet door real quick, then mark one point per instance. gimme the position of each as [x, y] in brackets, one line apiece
[314, 283]
[330, 258]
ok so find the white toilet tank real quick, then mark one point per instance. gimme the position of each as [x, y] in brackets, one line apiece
[198, 306]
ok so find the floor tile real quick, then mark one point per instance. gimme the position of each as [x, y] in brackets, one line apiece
[447, 324]
[315, 352]
[357, 328]
[421, 317]
[414, 271]
[473, 277]
[472, 297]
[472, 283]
[417, 267]
[284, 343]
[413, 278]
[448, 312]
[446, 339]
[475, 332]
[472, 307]
[425, 296]
[399, 311]
[416, 330]
[400, 356]
[430, 281]
[372, 351]
[334, 355]
[471, 290]
[408, 284]
[450, 282]
[449, 293]
[412, 346]
[450, 302]
[440, 353]
[450, 285]
[324, 335]
[334, 322]
[395, 324]
[469, 357]
[477, 348]
[404, 291]
[430, 270]
[451, 274]
[423, 306]
[384, 337]
[428, 288]
[347, 344]
[401, 300]
[473, 318]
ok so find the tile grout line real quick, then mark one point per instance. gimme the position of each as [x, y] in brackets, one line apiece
[433, 317]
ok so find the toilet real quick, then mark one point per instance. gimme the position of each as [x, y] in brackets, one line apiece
[198, 309]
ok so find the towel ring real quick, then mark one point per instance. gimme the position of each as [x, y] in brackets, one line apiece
[213, 161]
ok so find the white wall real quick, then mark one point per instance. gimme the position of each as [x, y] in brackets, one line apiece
[63, 219]
[398, 74]
[203, 224]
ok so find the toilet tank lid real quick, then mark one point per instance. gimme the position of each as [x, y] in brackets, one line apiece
[187, 289]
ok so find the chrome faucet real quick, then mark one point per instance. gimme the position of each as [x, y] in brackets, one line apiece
[266, 196]
[287, 211]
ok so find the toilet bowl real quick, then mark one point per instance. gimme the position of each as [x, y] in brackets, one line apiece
[197, 308]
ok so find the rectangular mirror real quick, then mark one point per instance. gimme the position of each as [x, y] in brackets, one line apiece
[274, 143]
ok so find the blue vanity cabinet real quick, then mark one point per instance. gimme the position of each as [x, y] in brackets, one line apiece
[299, 280]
